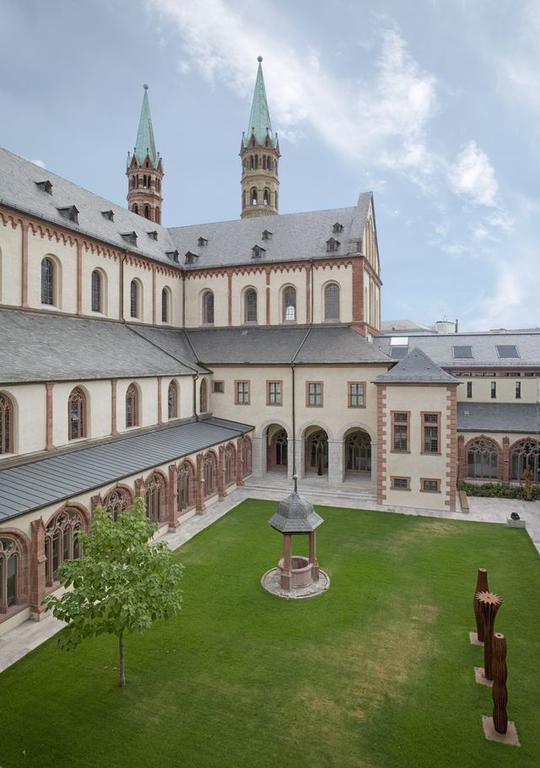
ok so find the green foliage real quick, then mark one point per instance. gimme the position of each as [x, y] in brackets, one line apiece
[501, 491]
[123, 583]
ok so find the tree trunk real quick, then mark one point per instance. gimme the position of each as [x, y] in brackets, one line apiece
[121, 653]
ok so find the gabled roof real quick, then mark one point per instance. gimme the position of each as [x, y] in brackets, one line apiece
[259, 124]
[416, 368]
[145, 144]
[521, 418]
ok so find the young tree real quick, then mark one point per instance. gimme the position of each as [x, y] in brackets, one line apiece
[528, 483]
[122, 584]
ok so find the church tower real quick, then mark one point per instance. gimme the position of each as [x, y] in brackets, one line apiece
[259, 152]
[145, 170]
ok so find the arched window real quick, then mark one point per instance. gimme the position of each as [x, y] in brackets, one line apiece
[135, 207]
[266, 197]
[525, 455]
[132, 406]
[203, 397]
[165, 305]
[230, 464]
[156, 494]
[208, 308]
[185, 487]
[62, 541]
[117, 501]
[48, 281]
[269, 163]
[135, 302]
[250, 306]
[210, 475]
[482, 458]
[275, 195]
[172, 400]
[10, 572]
[6, 424]
[76, 414]
[253, 195]
[146, 211]
[331, 301]
[158, 214]
[289, 304]
[97, 291]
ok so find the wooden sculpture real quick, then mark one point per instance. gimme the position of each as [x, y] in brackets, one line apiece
[481, 586]
[500, 696]
[489, 605]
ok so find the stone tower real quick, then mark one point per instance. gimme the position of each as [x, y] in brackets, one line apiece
[259, 152]
[145, 169]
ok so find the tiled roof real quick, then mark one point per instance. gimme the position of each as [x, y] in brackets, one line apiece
[499, 417]
[416, 368]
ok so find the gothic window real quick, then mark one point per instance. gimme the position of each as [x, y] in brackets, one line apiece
[62, 541]
[526, 455]
[317, 451]
[210, 475]
[132, 406]
[10, 572]
[203, 397]
[331, 302]
[358, 451]
[185, 488]
[165, 305]
[135, 302]
[230, 464]
[251, 162]
[208, 308]
[253, 196]
[266, 197]
[172, 400]
[156, 493]
[482, 458]
[6, 424]
[289, 304]
[117, 501]
[48, 281]
[97, 291]
[76, 414]
[250, 306]
[246, 456]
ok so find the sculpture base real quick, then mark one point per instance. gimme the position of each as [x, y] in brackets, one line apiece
[271, 582]
[473, 639]
[510, 737]
[480, 678]
[515, 523]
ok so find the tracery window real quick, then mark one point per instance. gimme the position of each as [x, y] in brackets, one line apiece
[289, 304]
[132, 406]
[526, 454]
[208, 308]
[331, 302]
[117, 501]
[156, 493]
[203, 397]
[10, 569]
[97, 291]
[76, 414]
[62, 541]
[246, 456]
[172, 400]
[358, 451]
[210, 475]
[48, 281]
[6, 424]
[482, 458]
[250, 306]
[185, 486]
[230, 464]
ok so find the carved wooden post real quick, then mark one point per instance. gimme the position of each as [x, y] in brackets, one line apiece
[489, 605]
[500, 696]
[481, 586]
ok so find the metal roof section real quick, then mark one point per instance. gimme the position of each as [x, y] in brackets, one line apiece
[259, 119]
[416, 368]
[145, 145]
[51, 480]
[499, 417]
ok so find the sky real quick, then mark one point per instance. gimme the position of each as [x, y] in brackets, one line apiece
[432, 105]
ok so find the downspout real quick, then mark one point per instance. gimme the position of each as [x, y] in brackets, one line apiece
[183, 300]
[195, 414]
[122, 318]
[312, 302]
[293, 419]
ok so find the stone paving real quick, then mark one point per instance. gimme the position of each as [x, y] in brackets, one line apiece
[30, 634]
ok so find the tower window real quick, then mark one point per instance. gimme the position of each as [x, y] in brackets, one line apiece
[266, 197]
[147, 212]
[269, 163]
[253, 195]
[135, 208]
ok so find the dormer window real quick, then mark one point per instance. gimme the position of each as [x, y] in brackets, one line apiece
[337, 227]
[108, 215]
[130, 237]
[190, 257]
[45, 186]
[202, 241]
[332, 245]
[172, 255]
[70, 212]
[257, 251]
[266, 235]
[153, 235]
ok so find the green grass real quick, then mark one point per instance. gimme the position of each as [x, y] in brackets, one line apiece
[376, 673]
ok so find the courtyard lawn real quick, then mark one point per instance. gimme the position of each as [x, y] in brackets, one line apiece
[376, 673]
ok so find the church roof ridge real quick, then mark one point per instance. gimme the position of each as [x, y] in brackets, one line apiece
[416, 368]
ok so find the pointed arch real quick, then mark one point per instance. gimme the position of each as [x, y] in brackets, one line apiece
[132, 406]
[62, 539]
[98, 291]
[229, 461]
[77, 414]
[155, 497]
[210, 468]
[253, 196]
[246, 455]
[7, 422]
[14, 552]
[50, 281]
[483, 458]
[525, 455]
[185, 486]
[118, 500]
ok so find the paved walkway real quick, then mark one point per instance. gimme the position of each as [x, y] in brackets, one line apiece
[30, 634]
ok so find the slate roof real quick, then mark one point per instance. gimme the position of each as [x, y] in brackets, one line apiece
[498, 417]
[295, 236]
[51, 480]
[295, 515]
[174, 342]
[18, 189]
[416, 368]
[40, 347]
[440, 348]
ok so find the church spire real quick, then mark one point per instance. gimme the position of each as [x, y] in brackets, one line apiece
[259, 151]
[145, 169]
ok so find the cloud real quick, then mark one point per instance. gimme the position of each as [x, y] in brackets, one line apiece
[473, 176]
[39, 162]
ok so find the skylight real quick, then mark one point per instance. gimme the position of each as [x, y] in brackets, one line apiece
[507, 351]
[399, 341]
[463, 352]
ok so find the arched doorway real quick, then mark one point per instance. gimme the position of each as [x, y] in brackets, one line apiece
[277, 448]
[316, 451]
[358, 453]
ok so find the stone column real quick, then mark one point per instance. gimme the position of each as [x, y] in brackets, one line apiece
[140, 488]
[37, 568]
[239, 468]
[462, 469]
[287, 561]
[259, 456]
[95, 501]
[221, 472]
[504, 460]
[199, 486]
[172, 498]
[335, 462]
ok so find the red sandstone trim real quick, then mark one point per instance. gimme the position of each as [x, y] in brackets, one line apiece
[49, 416]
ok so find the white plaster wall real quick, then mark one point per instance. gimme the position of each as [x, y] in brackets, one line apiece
[333, 274]
[98, 410]
[30, 426]
[195, 286]
[278, 280]
[111, 270]
[65, 256]
[10, 264]
[506, 388]
[175, 286]
[132, 271]
[148, 396]
[240, 283]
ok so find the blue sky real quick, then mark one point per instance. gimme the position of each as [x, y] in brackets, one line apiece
[434, 105]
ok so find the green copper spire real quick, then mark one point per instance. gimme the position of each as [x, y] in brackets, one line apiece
[145, 144]
[259, 119]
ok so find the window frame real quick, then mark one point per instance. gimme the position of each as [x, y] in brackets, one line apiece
[172, 388]
[351, 394]
[393, 486]
[218, 390]
[424, 480]
[469, 390]
[206, 295]
[248, 294]
[327, 318]
[7, 436]
[428, 425]
[246, 393]
[279, 400]
[51, 289]
[395, 424]
[309, 394]
[132, 388]
[82, 416]
[96, 291]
